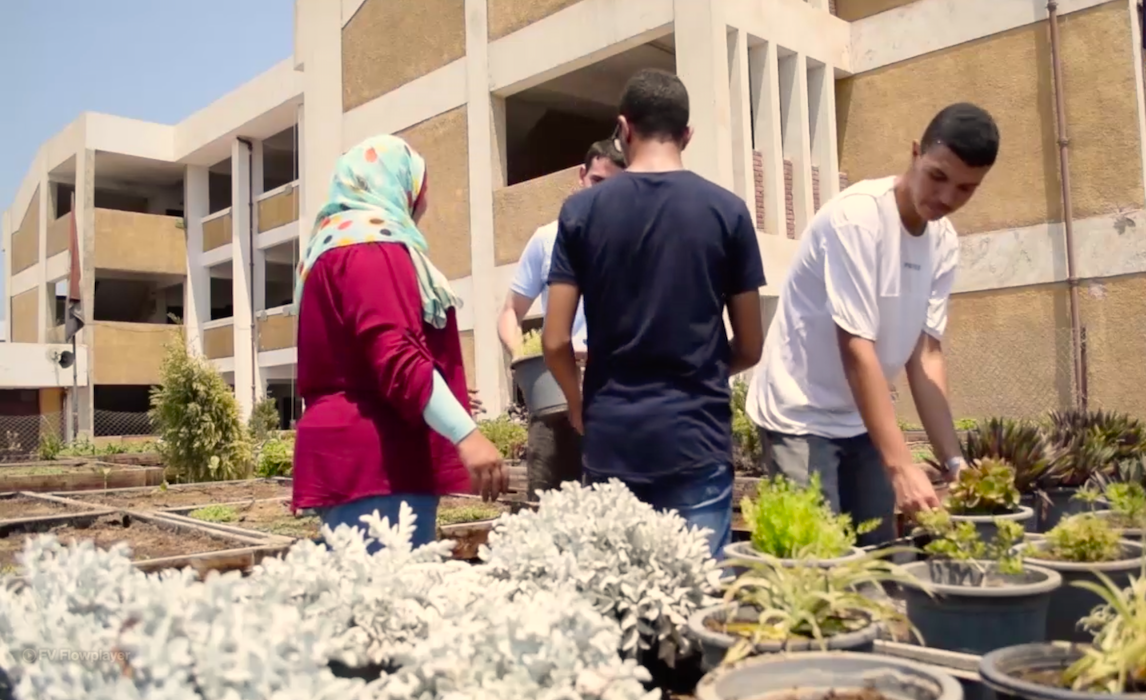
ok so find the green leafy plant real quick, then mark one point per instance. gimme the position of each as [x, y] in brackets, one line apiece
[275, 456]
[966, 424]
[467, 514]
[1093, 443]
[530, 344]
[1020, 444]
[203, 438]
[50, 446]
[1115, 661]
[215, 514]
[986, 487]
[508, 435]
[1082, 538]
[807, 602]
[959, 542]
[264, 419]
[746, 448]
[1127, 504]
[793, 522]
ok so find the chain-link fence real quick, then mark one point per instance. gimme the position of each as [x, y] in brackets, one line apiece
[121, 424]
[1021, 368]
[28, 437]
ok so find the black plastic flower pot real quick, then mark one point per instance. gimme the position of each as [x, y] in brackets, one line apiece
[831, 673]
[1016, 672]
[975, 613]
[985, 524]
[745, 550]
[714, 644]
[1069, 603]
[1062, 503]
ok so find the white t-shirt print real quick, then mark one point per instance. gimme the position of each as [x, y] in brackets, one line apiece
[531, 279]
[858, 267]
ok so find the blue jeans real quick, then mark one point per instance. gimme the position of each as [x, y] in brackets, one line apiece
[702, 497]
[424, 506]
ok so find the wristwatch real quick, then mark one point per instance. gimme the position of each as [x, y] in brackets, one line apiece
[954, 464]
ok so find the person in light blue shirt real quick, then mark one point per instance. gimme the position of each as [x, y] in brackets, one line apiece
[553, 450]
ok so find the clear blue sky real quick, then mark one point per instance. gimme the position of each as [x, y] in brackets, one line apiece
[158, 60]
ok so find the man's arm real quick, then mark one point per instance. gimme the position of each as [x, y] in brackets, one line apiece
[509, 321]
[746, 277]
[850, 255]
[927, 368]
[927, 376]
[557, 343]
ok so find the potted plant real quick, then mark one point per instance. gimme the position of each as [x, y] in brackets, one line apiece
[775, 606]
[974, 596]
[543, 396]
[984, 494]
[791, 522]
[1024, 446]
[507, 434]
[840, 675]
[1127, 507]
[1091, 443]
[1112, 665]
[1078, 548]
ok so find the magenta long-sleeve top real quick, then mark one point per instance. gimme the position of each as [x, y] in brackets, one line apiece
[365, 370]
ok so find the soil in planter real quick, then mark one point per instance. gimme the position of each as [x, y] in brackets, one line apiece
[833, 694]
[157, 498]
[147, 541]
[454, 511]
[272, 517]
[24, 507]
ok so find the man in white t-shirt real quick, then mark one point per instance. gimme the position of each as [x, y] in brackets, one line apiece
[865, 298]
[553, 450]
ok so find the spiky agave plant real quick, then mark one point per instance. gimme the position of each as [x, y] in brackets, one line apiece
[1020, 444]
[1093, 443]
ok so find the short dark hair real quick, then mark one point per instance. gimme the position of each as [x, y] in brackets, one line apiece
[655, 103]
[604, 149]
[969, 131]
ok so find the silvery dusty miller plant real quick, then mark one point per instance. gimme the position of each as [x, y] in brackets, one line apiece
[646, 568]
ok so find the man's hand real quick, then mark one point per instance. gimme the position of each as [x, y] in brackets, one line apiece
[476, 406]
[481, 459]
[913, 490]
[575, 419]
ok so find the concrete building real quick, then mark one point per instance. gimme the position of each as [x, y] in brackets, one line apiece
[791, 99]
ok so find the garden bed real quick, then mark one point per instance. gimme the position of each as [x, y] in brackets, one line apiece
[156, 543]
[270, 516]
[468, 521]
[163, 498]
[23, 505]
[76, 475]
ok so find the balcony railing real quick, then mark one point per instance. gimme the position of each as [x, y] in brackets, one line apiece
[132, 242]
[129, 353]
[277, 330]
[219, 339]
[518, 210]
[278, 207]
[217, 230]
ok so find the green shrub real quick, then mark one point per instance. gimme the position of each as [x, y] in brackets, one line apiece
[746, 450]
[50, 446]
[508, 435]
[197, 415]
[215, 514]
[264, 420]
[791, 522]
[276, 456]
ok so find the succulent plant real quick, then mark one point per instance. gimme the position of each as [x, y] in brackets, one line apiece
[1093, 444]
[1020, 444]
[986, 487]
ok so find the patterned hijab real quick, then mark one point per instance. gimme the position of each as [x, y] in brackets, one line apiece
[372, 197]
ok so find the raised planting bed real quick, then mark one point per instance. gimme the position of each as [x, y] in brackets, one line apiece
[467, 521]
[136, 459]
[156, 543]
[165, 497]
[270, 516]
[76, 475]
[21, 506]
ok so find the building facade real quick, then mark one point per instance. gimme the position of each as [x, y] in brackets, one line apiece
[203, 221]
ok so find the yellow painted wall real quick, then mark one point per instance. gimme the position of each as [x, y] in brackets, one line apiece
[520, 209]
[507, 16]
[851, 10]
[24, 323]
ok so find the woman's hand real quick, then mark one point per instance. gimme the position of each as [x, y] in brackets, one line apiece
[476, 406]
[488, 476]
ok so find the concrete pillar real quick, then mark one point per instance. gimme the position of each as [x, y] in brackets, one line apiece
[485, 130]
[793, 72]
[822, 129]
[197, 289]
[85, 230]
[319, 41]
[702, 64]
[763, 75]
[6, 230]
[740, 99]
[45, 200]
[246, 368]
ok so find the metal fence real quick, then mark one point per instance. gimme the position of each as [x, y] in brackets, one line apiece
[121, 424]
[21, 437]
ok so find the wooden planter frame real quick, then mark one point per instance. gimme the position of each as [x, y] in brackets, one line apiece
[82, 507]
[250, 547]
[120, 476]
[65, 495]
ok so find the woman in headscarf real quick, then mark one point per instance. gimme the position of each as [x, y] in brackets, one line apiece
[380, 368]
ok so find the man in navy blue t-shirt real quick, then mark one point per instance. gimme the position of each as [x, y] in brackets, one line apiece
[658, 253]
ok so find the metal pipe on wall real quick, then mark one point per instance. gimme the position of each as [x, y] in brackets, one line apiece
[251, 266]
[1067, 207]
